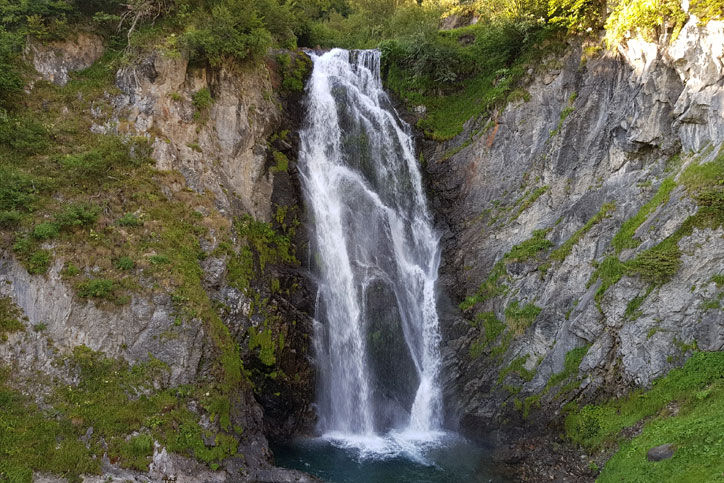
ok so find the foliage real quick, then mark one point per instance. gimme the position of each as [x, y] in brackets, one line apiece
[10, 315]
[577, 16]
[697, 390]
[130, 219]
[518, 318]
[562, 252]
[649, 18]
[529, 248]
[294, 69]
[572, 362]
[624, 238]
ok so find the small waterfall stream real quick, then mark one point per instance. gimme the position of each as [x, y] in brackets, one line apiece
[376, 257]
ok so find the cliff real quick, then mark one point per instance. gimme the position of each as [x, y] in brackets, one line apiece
[173, 277]
[582, 232]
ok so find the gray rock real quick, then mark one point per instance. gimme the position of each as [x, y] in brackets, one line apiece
[633, 110]
[54, 60]
[659, 453]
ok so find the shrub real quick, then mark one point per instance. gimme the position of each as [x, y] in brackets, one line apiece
[646, 17]
[100, 288]
[10, 218]
[129, 219]
[159, 259]
[125, 263]
[45, 231]
[78, 214]
[17, 193]
[201, 99]
[109, 153]
[39, 262]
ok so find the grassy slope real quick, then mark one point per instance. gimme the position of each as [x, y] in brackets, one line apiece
[96, 202]
[684, 408]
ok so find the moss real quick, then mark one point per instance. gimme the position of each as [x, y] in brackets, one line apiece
[282, 162]
[10, 315]
[562, 252]
[624, 238]
[262, 338]
[518, 318]
[573, 360]
[529, 403]
[529, 248]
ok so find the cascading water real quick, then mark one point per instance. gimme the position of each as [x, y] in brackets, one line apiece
[376, 256]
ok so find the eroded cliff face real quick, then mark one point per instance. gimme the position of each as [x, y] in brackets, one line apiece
[575, 241]
[230, 132]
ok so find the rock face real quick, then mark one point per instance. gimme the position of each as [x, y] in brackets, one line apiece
[55, 60]
[598, 136]
[215, 126]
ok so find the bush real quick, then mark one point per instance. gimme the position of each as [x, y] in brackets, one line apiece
[39, 262]
[645, 17]
[78, 214]
[45, 231]
[129, 219]
[17, 192]
[125, 263]
[100, 288]
[202, 99]
[109, 153]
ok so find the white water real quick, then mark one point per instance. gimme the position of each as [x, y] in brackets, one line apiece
[372, 240]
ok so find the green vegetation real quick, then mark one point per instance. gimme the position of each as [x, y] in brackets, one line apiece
[562, 252]
[518, 318]
[564, 114]
[10, 315]
[529, 200]
[695, 427]
[116, 400]
[516, 366]
[491, 287]
[625, 236]
[529, 248]
[573, 360]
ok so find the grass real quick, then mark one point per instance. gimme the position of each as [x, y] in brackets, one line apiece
[491, 287]
[516, 366]
[697, 389]
[88, 186]
[572, 362]
[624, 238]
[529, 248]
[492, 329]
[529, 200]
[562, 252]
[518, 318]
[10, 317]
[116, 400]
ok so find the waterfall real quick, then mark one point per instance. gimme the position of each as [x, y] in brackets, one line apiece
[375, 255]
